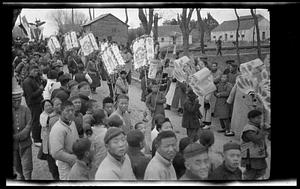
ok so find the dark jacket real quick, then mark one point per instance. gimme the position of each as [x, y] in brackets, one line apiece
[79, 77]
[178, 164]
[191, 114]
[139, 162]
[84, 100]
[32, 91]
[223, 173]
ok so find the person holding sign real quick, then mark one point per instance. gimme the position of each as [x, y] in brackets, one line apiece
[121, 84]
[155, 101]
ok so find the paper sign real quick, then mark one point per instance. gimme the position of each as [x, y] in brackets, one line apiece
[93, 41]
[183, 68]
[202, 82]
[118, 56]
[153, 68]
[68, 42]
[143, 51]
[86, 45]
[74, 39]
[53, 44]
[149, 48]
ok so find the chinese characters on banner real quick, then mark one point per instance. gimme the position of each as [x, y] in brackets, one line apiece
[112, 58]
[88, 44]
[183, 69]
[143, 51]
[71, 40]
[53, 44]
[202, 82]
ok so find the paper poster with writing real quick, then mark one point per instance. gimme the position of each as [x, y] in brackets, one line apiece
[153, 68]
[139, 53]
[118, 56]
[74, 39]
[55, 42]
[149, 48]
[202, 82]
[51, 46]
[183, 68]
[93, 41]
[68, 42]
[86, 45]
[109, 60]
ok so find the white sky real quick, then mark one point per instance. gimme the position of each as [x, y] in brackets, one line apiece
[133, 20]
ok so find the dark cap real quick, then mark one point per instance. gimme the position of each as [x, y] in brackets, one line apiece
[207, 138]
[230, 146]
[80, 146]
[114, 121]
[134, 137]
[194, 149]
[111, 133]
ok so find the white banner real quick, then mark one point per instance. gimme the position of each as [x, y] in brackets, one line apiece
[53, 44]
[149, 48]
[74, 40]
[86, 45]
[153, 68]
[143, 51]
[109, 60]
[202, 82]
[93, 41]
[118, 56]
[68, 42]
[183, 69]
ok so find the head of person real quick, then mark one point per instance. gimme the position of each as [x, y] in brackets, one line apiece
[81, 67]
[166, 125]
[47, 106]
[115, 142]
[206, 138]
[73, 86]
[64, 79]
[214, 66]
[184, 142]
[108, 105]
[92, 105]
[114, 121]
[196, 160]
[34, 71]
[166, 144]
[233, 67]
[99, 117]
[52, 74]
[255, 116]
[123, 102]
[83, 150]
[154, 87]
[84, 88]
[141, 127]
[56, 105]
[123, 74]
[191, 95]
[136, 139]
[67, 111]
[158, 120]
[224, 78]
[75, 99]
[232, 155]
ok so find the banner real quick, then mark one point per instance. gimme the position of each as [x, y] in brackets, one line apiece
[202, 82]
[183, 69]
[68, 42]
[74, 39]
[26, 27]
[71, 40]
[53, 44]
[118, 56]
[153, 68]
[112, 58]
[93, 41]
[143, 51]
[86, 45]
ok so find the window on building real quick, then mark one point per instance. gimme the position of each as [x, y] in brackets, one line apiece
[263, 36]
[231, 36]
[225, 36]
[162, 39]
[243, 35]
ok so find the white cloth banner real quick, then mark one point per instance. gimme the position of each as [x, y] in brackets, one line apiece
[149, 48]
[109, 59]
[53, 44]
[143, 51]
[153, 69]
[68, 42]
[116, 52]
[74, 40]
[202, 82]
[93, 41]
[183, 69]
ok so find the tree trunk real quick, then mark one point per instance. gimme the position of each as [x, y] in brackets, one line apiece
[147, 24]
[155, 32]
[257, 34]
[201, 28]
[185, 38]
[90, 14]
[126, 14]
[93, 13]
[237, 37]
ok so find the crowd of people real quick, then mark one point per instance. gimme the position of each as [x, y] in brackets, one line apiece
[82, 141]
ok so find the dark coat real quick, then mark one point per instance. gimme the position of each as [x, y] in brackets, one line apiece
[222, 110]
[179, 95]
[92, 70]
[32, 91]
[139, 162]
[62, 93]
[84, 100]
[223, 173]
[79, 77]
[191, 114]
[178, 164]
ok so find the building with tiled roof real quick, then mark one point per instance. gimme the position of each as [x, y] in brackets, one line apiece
[227, 30]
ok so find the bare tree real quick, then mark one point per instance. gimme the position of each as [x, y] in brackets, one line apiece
[126, 14]
[184, 23]
[237, 37]
[201, 29]
[257, 33]
[147, 24]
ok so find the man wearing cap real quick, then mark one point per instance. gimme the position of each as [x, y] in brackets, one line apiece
[233, 68]
[116, 165]
[160, 167]
[63, 92]
[22, 150]
[121, 84]
[229, 170]
[139, 162]
[84, 152]
[62, 136]
[33, 91]
[228, 63]
[196, 161]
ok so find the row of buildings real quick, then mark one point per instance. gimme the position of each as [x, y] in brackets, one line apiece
[109, 26]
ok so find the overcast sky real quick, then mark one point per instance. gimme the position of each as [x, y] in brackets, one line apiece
[133, 20]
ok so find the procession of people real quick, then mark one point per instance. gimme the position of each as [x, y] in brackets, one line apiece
[82, 141]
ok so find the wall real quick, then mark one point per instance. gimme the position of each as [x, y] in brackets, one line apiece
[168, 40]
[110, 26]
[230, 33]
